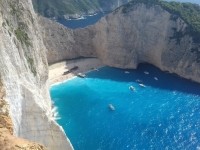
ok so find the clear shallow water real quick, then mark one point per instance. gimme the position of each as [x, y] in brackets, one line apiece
[164, 115]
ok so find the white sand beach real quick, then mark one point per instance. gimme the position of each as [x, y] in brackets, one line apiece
[83, 65]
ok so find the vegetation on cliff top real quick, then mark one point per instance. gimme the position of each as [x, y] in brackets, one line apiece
[189, 12]
[59, 8]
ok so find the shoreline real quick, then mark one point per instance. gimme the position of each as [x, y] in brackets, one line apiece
[84, 65]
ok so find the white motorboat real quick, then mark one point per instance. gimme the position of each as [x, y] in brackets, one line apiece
[138, 81]
[142, 85]
[127, 72]
[111, 107]
[132, 88]
[155, 78]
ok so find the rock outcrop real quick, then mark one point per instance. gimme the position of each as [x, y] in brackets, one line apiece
[63, 43]
[7, 140]
[24, 73]
[129, 36]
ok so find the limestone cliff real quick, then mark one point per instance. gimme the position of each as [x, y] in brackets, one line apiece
[24, 73]
[63, 43]
[7, 140]
[131, 35]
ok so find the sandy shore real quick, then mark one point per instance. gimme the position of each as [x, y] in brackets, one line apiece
[84, 65]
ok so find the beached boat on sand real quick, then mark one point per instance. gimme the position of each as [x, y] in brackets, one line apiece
[81, 75]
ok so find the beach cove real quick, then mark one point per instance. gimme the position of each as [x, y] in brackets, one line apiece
[161, 114]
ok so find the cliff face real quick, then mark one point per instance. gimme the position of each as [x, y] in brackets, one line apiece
[24, 73]
[63, 43]
[134, 35]
[7, 140]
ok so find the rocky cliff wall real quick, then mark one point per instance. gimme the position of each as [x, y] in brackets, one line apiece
[133, 35]
[24, 73]
[63, 43]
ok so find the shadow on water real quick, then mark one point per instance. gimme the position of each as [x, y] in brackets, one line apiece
[165, 80]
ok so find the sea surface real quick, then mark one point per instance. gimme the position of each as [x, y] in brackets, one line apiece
[81, 22]
[163, 115]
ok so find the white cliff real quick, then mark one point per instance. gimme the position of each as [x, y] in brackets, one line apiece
[124, 39]
[24, 73]
[130, 36]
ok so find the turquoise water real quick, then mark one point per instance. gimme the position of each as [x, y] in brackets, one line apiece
[163, 115]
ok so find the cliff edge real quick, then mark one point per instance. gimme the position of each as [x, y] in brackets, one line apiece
[24, 74]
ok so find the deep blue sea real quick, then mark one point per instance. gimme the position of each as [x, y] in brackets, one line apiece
[81, 23]
[163, 115]
[92, 19]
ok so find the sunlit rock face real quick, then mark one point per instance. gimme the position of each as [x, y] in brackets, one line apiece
[147, 34]
[24, 73]
[127, 37]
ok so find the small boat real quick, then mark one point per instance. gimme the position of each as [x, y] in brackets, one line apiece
[142, 85]
[155, 78]
[70, 70]
[138, 81]
[131, 88]
[80, 18]
[81, 75]
[146, 72]
[95, 69]
[111, 107]
[127, 72]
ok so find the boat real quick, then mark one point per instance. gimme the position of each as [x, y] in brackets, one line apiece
[131, 88]
[95, 69]
[81, 75]
[146, 72]
[111, 107]
[92, 14]
[70, 70]
[142, 85]
[126, 72]
[155, 78]
[80, 18]
[138, 81]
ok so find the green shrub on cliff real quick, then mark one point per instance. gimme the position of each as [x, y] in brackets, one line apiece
[22, 36]
[58, 8]
[189, 12]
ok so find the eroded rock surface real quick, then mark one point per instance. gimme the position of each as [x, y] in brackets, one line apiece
[127, 37]
[24, 74]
